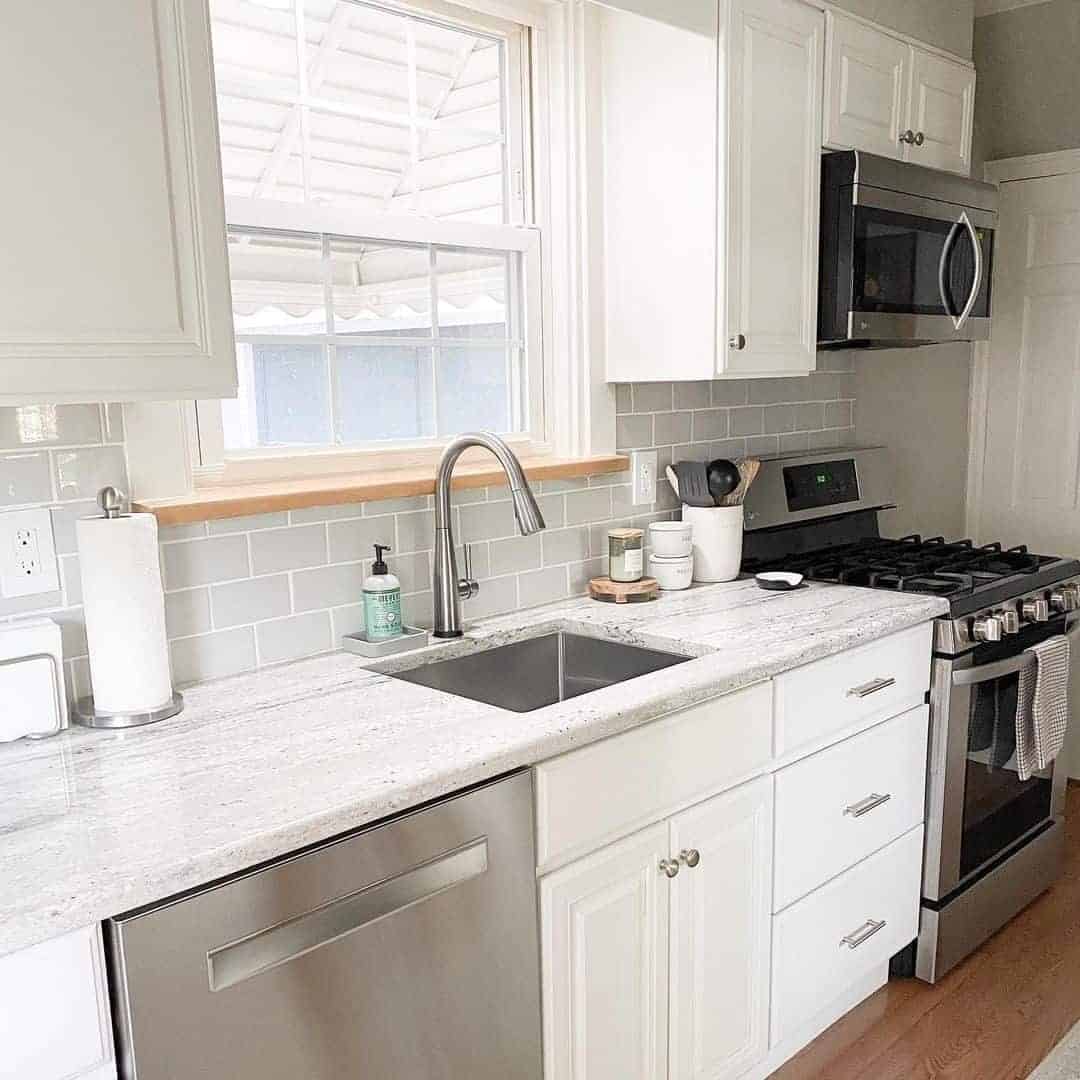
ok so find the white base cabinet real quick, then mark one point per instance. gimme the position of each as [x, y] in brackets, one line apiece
[648, 975]
[727, 928]
[54, 1011]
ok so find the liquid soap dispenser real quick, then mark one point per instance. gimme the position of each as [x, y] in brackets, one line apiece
[382, 601]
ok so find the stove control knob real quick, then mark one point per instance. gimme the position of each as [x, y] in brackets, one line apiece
[1010, 620]
[1064, 599]
[1035, 609]
[987, 628]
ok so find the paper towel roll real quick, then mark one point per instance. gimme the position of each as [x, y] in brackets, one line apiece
[124, 604]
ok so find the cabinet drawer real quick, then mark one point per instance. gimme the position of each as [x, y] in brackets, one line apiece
[602, 791]
[842, 804]
[870, 682]
[843, 931]
[54, 1011]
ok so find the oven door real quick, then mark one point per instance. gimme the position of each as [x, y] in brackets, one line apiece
[979, 809]
[920, 268]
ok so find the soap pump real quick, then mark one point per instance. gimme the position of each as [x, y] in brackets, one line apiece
[382, 600]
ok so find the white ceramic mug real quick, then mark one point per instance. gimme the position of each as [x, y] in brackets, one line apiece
[718, 534]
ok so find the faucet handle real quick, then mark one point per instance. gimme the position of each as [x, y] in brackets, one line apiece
[468, 586]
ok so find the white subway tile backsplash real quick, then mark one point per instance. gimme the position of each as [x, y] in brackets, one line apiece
[237, 603]
[296, 636]
[81, 473]
[295, 579]
[199, 562]
[26, 479]
[31, 426]
[274, 550]
[213, 656]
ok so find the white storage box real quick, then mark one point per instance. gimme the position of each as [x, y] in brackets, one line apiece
[32, 696]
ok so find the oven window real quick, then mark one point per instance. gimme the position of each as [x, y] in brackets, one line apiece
[898, 265]
[999, 807]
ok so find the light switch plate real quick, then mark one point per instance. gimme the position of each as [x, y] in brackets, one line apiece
[27, 554]
[643, 476]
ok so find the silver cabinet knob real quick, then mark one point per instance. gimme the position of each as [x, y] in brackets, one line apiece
[690, 857]
[920, 138]
[988, 628]
[738, 341]
[1035, 609]
[669, 867]
[907, 136]
[1010, 620]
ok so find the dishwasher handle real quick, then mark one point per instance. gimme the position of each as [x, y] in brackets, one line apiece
[236, 961]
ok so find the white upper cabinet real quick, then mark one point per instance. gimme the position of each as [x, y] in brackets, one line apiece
[941, 109]
[114, 276]
[774, 74]
[887, 96]
[706, 133]
[866, 87]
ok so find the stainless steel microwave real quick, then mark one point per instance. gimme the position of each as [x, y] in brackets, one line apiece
[906, 253]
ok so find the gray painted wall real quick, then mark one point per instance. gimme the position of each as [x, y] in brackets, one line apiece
[1028, 95]
[915, 401]
[944, 23]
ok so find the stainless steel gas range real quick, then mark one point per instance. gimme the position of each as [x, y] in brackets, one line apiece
[993, 841]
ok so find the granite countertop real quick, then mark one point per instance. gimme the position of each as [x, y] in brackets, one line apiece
[96, 823]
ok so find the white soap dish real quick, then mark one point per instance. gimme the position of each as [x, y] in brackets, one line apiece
[778, 580]
[411, 637]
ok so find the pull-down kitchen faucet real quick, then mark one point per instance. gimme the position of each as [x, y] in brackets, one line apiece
[449, 590]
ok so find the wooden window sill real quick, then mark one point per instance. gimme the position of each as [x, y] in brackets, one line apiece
[214, 503]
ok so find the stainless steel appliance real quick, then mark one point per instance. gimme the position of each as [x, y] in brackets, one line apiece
[993, 841]
[407, 949]
[906, 253]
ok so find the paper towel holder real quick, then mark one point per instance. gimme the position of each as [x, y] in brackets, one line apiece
[111, 502]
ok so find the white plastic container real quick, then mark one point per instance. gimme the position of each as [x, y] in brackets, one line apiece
[718, 534]
[672, 574]
[671, 539]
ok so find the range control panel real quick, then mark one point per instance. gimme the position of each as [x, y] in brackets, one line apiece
[828, 483]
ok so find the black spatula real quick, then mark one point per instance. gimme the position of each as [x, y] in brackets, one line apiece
[693, 483]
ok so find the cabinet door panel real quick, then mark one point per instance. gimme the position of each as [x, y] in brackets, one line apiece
[942, 108]
[115, 278]
[720, 934]
[866, 83]
[658, 140]
[605, 925]
[774, 170]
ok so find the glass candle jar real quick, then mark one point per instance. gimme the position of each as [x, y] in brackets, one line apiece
[626, 560]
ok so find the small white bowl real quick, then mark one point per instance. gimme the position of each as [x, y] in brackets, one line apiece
[671, 539]
[778, 580]
[672, 574]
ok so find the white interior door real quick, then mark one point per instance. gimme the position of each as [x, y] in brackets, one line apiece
[1029, 490]
[604, 922]
[866, 86]
[720, 934]
[774, 82]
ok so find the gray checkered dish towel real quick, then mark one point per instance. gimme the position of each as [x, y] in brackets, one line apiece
[1042, 708]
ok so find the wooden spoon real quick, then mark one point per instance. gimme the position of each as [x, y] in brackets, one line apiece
[748, 470]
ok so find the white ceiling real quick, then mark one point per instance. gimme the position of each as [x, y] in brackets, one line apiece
[993, 7]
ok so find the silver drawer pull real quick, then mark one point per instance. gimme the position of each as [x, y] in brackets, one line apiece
[239, 960]
[864, 806]
[871, 687]
[863, 934]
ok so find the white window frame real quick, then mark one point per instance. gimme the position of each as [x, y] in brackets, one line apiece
[163, 438]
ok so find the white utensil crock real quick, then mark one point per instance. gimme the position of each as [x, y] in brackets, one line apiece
[718, 535]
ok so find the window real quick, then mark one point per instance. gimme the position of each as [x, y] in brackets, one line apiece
[385, 274]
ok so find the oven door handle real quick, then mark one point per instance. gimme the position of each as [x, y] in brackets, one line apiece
[963, 222]
[985, 672]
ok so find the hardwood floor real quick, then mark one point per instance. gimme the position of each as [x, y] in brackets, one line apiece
[994, 1017]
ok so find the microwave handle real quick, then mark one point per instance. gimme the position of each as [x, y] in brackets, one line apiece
[985, 672]
[962, 222]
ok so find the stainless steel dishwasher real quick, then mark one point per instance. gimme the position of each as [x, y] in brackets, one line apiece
[406, 950]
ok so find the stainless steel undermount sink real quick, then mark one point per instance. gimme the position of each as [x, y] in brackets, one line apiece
[539, 671]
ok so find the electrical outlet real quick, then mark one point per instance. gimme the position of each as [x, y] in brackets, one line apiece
[27, 554]
[643, 476]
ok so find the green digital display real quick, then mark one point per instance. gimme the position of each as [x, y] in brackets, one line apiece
[822, 478]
